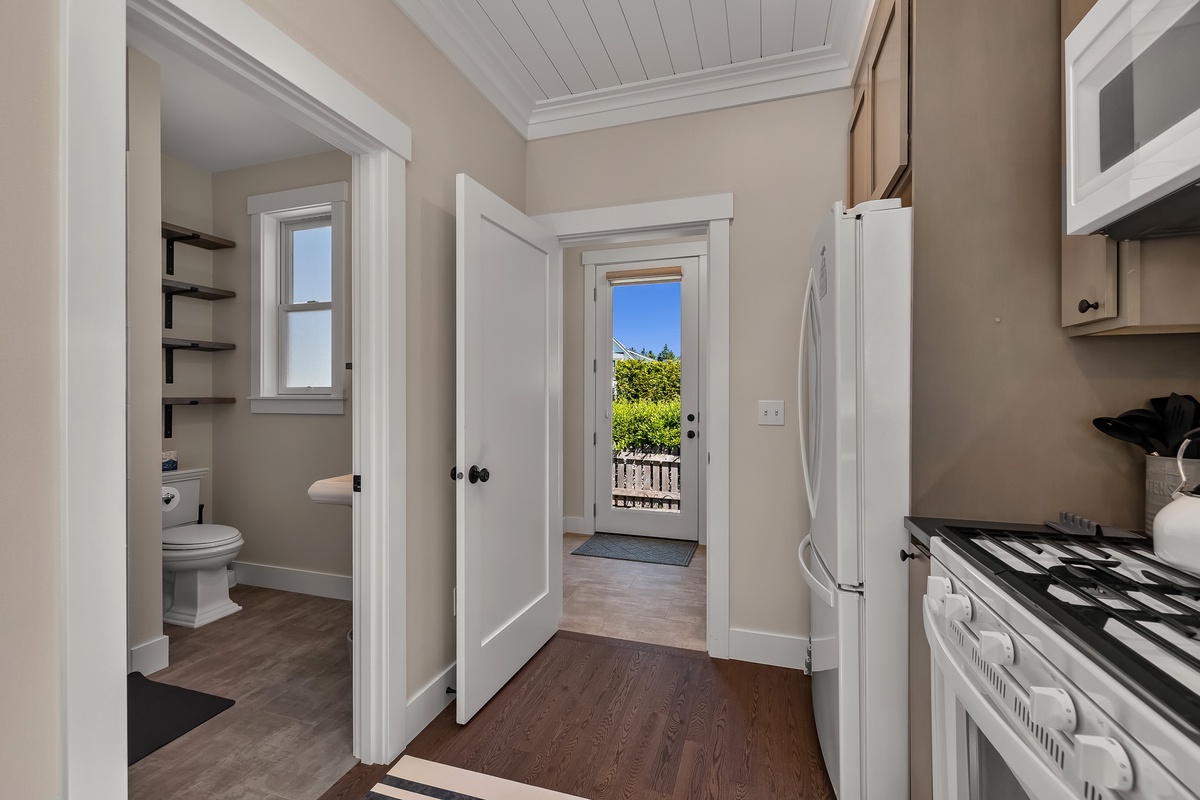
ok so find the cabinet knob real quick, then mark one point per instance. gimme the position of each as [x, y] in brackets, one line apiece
[1084, 306]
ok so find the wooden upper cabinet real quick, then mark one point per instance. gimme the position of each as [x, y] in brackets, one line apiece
[879, 122]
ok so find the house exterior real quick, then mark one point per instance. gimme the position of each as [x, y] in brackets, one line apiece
[1002, 397]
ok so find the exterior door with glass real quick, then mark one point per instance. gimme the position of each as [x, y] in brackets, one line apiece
[648, 428]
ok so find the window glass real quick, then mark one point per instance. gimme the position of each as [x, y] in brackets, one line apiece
[309, 355]
[312, 263]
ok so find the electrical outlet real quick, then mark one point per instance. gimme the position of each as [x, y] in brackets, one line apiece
[770, 412]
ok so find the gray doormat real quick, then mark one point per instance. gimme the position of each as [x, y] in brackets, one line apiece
[673, 552]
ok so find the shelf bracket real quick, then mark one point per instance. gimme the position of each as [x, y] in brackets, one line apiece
[169, 355]
[171, 249]
[168, 415]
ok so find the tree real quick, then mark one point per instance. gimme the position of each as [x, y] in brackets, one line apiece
[666, 354]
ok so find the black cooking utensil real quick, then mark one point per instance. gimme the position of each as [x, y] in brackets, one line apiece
[1119, 429]
[1149, 423]
[1179, 418]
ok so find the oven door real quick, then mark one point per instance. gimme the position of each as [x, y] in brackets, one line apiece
[977, 755]
[1132, 108]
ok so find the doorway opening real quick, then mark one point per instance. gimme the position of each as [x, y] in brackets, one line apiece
[644, 378]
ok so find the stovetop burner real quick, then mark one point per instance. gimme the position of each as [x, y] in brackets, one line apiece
[1113, 598]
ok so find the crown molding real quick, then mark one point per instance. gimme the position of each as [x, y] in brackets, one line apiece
[795, 74]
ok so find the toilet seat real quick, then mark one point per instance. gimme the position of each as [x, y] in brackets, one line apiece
[199, 537]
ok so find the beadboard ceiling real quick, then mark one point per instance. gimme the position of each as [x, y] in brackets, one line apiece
[562, 66]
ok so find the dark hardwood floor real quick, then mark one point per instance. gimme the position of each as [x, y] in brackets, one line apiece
[606, 718]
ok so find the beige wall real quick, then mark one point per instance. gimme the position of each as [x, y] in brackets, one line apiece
[785, 163]
[30, 696]
[263, 464]
[143, 290]
[1003, 399]
[376, 47]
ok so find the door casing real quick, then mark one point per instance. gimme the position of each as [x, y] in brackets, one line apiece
[596, 262]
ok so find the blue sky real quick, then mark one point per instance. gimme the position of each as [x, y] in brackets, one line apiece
[646, 316]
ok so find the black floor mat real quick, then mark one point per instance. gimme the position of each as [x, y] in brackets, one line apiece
[160, 713]
[674, 552]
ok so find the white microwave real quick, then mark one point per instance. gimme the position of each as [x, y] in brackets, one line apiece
[1133, 120]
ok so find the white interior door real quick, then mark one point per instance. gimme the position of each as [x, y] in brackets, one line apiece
[509, 448]
[652, 491]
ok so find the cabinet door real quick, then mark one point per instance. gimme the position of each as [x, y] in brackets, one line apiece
[889, 97]
[880, 115]
[861, 167]
[1089, 279]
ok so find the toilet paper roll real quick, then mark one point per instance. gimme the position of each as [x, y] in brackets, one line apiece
[170, 498]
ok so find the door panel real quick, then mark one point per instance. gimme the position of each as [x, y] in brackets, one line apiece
[509, 570]
[654, 495]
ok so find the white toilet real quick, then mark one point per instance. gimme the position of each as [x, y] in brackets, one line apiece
[195, 556]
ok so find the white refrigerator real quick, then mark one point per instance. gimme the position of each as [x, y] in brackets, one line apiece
[854, 393]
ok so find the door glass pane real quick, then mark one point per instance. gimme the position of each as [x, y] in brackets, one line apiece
[309, 356]
[645, 411]
[312, 264]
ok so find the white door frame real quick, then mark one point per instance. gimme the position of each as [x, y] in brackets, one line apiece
[593, 261]
[708, 215]
[232, 40]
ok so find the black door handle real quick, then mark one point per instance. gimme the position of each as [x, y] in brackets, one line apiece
[691, 417]
[478, 474]
[691, 434]
[905, 555]
[455, 474]
[1084, 306]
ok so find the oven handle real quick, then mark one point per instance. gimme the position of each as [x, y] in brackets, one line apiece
[819, 589]
[1016, 752]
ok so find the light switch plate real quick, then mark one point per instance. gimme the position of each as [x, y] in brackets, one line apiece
[770, 412]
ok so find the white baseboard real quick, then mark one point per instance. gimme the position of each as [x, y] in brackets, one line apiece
[318, 584]
[577, 525]
[775, 649]
[428, 702]
[149, 657]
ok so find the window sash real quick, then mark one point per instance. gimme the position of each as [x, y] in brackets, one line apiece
[287, 268]
[282, 314]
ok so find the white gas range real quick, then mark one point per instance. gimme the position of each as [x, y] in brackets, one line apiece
[1064, 666]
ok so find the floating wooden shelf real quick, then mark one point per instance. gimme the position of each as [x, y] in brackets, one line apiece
[206, 241]
[169, 404]
[182, 289]
[197, 345]
[172, 289]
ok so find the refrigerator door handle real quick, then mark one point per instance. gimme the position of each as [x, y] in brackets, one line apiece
[818, 587]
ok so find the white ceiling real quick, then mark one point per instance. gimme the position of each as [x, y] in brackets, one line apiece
[211, 125]
[561, 66]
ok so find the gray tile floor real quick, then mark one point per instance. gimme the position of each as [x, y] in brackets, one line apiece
[284, 659]
[652, 603]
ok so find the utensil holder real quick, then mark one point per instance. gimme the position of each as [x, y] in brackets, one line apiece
[1162, 477]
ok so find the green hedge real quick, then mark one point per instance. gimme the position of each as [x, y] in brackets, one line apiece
[641, 424]
[647, 381]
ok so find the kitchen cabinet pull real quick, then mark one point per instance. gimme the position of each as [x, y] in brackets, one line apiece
[1084, 306]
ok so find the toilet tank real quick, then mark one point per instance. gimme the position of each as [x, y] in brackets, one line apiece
[187, 483]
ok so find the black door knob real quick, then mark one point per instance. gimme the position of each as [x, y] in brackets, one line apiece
[905, 555]
[691, 417]
[1084, 305]
[455, 474]
[478, 475]
[691, 434]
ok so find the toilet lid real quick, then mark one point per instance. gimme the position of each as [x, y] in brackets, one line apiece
[190, 537]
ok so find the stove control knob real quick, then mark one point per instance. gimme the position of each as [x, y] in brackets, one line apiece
[996, 648]
[1103, 762]
[958, 607]
[938, 587]
[1052, 708]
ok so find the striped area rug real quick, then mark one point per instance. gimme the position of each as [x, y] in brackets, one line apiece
[414, 779]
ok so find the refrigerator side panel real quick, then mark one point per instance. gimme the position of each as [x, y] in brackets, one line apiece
[884, 465]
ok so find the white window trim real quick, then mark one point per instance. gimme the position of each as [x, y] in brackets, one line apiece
[267, 213]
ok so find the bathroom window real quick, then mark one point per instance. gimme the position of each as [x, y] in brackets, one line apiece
[298, 260]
